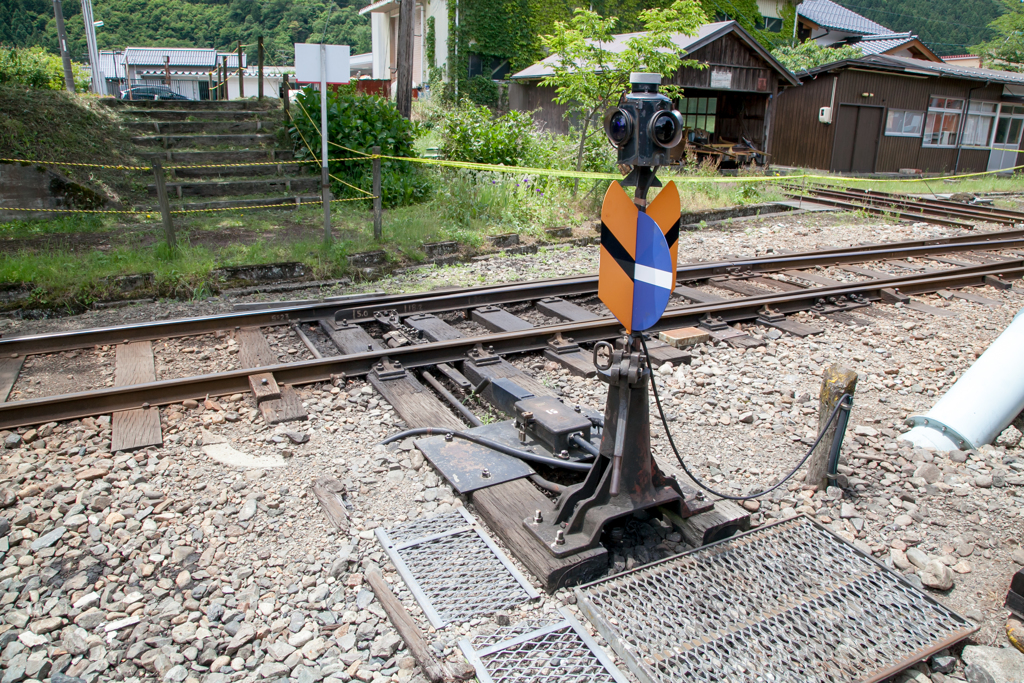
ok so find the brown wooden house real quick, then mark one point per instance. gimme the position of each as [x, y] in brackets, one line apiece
[727, 101]
[886, 114]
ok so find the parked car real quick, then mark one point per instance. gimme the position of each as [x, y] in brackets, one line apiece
[150, 92]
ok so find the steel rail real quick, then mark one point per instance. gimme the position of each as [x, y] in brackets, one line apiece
[1009, 213]
[110, 399]
[913, 206]
[808, 195]
[363, 310]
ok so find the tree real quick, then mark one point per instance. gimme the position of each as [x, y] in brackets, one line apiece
[1006, 50]
[589, 77]
[808, 55]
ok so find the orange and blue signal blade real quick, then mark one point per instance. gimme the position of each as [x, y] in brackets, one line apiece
[636, 270]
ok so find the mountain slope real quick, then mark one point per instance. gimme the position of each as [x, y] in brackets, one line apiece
[946, 26]
[190, 23]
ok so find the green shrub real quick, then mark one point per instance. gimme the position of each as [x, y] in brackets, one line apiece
[471, 132]
[358, 123]
[36, 68]
[482, 91]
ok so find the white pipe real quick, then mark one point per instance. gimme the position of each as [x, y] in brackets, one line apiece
[982, 403]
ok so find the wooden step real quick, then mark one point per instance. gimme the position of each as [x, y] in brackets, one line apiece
[289, 202]
[186, 141]
[205, 114]
[193, 127]
[228, 188]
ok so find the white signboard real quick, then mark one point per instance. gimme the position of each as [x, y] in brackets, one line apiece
[307, 63]
[720, 78]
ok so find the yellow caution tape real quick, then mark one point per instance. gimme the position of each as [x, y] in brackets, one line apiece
[70, 163]
[268, 206]
[14, 208]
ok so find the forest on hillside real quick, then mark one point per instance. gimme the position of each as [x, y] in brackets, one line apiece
[947, 26]
[190, 23]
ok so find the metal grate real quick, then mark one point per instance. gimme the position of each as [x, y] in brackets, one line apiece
[789, 602]
[538, 651]
[453, 568]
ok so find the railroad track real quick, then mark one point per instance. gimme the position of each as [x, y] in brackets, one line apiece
[390, 338]
[906, 207]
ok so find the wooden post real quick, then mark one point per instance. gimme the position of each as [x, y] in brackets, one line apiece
[406, 19]
[378, 216]
[836, 382]
[165, 205]
[241, 73]
[209, 85]
[259, 48]
[167, 71]
[285, 96]
[224, 79]
[435, 670]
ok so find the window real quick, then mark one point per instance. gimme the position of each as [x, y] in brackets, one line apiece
[772, 24]
[1009, 127]
[978, 127]
[943, 122]
[699, 112]
[903, 123]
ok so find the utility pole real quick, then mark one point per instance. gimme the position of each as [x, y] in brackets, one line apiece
[62, 38]
[406, 18]
[94, 53]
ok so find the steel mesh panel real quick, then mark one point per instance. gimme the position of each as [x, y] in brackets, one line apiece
[426, 526]
[788, 602]
[453, 569]
[462, 577]
[540, 651]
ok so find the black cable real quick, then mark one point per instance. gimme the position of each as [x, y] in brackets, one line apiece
[493, 445]
[691, 475]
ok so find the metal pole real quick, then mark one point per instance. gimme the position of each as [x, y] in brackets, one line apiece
[62, 39]
[90, 39]
[325, 183]
[165, 205]
[241, 84]
[378, 217]
[259, 52]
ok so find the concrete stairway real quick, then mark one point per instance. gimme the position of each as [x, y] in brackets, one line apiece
[242, 133]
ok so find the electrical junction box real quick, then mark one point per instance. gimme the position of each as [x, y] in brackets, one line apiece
[825, 114]
[551, 422]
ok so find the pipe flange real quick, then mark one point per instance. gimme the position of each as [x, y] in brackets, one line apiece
[956, 437]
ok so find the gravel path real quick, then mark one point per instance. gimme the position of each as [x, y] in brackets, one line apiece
[167, 564]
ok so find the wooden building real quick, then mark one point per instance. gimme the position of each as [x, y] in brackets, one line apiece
[726, 102]
[886, 114]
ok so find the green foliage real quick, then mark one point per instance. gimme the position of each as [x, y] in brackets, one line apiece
[360, 122]
[748, 15]
[1006, 49]
[431, 41]
[36, 68]
[947, 26]
[191, 23]
[809, 54]
[473, 133]
[588, 77]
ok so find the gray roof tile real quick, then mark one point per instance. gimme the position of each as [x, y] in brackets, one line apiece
[832, 15]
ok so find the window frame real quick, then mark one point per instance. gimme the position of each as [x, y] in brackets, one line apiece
[992, 116]
[709, 113]
[918, 134]
[938, 108]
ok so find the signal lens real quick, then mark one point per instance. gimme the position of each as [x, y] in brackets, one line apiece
[666, 128]
[618, 126]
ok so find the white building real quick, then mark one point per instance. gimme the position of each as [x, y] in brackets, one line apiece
[384, 34]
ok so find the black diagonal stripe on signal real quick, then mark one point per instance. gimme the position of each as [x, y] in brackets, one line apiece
[618, 252]
[673, 233]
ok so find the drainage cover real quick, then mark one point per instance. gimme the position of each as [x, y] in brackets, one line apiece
[789, 602]
[453, 568]
[540, 651]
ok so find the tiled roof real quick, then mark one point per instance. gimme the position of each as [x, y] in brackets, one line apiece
[828, 14]
[922, 67]
[111, 64]
[875, 45]
[706, 34]
[179, 56]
